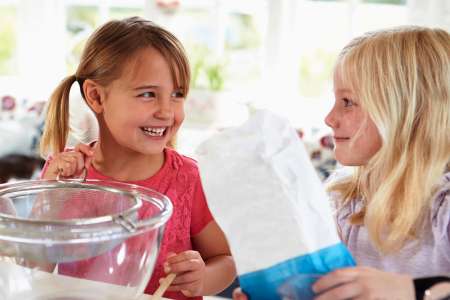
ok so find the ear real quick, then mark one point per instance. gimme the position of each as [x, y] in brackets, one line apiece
[94, 94]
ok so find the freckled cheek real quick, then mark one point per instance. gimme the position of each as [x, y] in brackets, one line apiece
[367, 146]
[374, 138]
[376, 144]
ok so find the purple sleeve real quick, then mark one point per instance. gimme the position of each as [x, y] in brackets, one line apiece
[441, 218]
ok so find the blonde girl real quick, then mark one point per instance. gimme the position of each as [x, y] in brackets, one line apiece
[391, 122]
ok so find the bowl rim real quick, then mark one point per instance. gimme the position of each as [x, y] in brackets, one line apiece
[98, 229]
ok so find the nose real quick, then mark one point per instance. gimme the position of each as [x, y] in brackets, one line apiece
[331, 120]
[164, 109]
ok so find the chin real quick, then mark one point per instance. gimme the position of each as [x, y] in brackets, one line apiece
[149, 149]
[348, 161]
[154, 150]
[350, 164]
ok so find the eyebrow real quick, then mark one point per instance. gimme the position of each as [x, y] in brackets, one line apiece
[144, 87]
[344, 91]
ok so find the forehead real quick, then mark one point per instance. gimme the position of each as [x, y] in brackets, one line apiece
[341, 82]
[146, 65]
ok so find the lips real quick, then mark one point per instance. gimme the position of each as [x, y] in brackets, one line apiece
[340, 139]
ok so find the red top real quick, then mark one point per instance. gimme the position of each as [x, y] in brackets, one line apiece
[179, 180]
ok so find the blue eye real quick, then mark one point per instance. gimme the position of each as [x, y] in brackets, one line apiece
[347, 102]
[147, 95]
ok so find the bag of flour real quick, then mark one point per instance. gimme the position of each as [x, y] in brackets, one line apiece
[265, 194]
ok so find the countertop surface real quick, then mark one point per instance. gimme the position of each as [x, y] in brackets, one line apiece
[25, 283]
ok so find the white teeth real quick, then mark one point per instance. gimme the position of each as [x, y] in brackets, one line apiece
[153, 131]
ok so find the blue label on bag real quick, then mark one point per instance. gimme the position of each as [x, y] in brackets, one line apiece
[264, 284]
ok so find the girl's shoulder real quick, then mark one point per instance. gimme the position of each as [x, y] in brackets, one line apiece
[181, 162]
[440, 206]
[440, 203]
[337, 176]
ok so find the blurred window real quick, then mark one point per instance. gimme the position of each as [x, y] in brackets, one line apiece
[232, 44]
[8, 30]
[321, 44]
[399, 2]
[243, 44]
[80, 23]
[224, 41]
[82, 20]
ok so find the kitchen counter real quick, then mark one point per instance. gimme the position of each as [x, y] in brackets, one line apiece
[24, 283]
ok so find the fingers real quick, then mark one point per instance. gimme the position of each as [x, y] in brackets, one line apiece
[184, 262]
[186, 289]
[238, 294]
[187, 293]
[68, 164]
[186, 255]
[190, 269]
[79, 162]
[87, 152]
[333, 279]
[344, 291]
[191, 286]
[185, 266]
[85, 149]
[87, 162]
[186, 278]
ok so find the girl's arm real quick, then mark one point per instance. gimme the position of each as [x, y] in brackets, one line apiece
[220, 269]
[206, 271]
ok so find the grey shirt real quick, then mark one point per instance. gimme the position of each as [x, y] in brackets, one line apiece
[428, 256]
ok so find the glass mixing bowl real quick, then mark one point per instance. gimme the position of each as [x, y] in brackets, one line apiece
[68, 240]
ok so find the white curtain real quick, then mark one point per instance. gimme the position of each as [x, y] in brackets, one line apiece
[432, 13]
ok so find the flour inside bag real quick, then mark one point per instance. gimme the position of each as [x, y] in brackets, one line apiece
[265, 194]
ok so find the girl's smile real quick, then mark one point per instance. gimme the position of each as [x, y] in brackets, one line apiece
[154, 131]
[338, 139]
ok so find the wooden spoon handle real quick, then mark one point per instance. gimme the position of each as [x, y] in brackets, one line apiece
[165, 283]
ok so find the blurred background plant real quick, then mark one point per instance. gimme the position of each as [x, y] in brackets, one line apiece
[316, 67]
[207, 72]
[215, 74]
[7, 40]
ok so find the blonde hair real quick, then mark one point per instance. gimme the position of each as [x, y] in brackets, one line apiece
[103, 59]
[401, 78]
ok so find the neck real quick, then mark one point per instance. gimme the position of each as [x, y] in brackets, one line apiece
[125, 164]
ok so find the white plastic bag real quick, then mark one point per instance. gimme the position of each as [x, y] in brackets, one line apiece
[267, 197]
